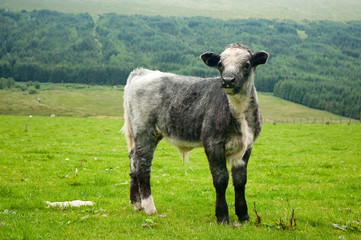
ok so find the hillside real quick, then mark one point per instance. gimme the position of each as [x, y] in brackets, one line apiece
[74, 100]
[225, 9]
[312, 63]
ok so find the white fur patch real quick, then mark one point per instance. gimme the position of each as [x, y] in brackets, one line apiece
[148, 206]
[232, 58]
[238, 145]
[137, 206]
[132, 167]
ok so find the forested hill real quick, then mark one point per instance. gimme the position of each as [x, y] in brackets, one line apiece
[313, 63]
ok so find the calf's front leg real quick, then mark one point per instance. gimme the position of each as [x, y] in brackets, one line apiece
[239, 176]
[218, 167]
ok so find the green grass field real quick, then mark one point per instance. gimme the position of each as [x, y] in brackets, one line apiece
[312, 169]
[228, 9]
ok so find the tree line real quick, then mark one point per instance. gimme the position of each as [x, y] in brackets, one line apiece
[315, 63]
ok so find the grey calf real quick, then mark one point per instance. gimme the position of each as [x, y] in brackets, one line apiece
[221, 114]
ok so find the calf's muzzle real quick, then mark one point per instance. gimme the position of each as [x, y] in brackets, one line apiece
[228, 81]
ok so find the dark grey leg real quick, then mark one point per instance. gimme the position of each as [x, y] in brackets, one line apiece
[141, 167]
[134, 185]
[239, 175]
[218, 167]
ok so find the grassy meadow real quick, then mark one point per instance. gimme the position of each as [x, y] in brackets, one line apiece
[70, 100]
[311, 169]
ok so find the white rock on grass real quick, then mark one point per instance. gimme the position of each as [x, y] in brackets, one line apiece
[76, 203]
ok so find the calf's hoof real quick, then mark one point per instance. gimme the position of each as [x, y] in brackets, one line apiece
[151, 211]
[137, 206]
[222, 220]
[148, 206]
[243, 218]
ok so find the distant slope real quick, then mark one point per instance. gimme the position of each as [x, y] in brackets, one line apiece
[335, 10]
[276, 109]
[107, 102]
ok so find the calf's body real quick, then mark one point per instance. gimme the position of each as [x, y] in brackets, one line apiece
[195, 112]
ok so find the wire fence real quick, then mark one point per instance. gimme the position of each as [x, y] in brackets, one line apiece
[313, 120]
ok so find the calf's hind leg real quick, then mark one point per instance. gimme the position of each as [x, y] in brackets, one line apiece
[141, 165]
[134, 185]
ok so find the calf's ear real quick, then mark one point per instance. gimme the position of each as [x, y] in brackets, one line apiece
[210, 59]
[259, 58]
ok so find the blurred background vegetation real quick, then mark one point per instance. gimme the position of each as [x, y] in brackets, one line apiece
[314, 63]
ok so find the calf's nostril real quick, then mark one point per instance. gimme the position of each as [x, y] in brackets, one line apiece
[229, 79]
[228, 82]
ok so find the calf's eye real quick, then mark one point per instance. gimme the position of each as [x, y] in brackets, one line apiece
[246, 65]
[219, 64]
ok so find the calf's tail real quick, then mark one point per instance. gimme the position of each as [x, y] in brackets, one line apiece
[128, 132]
[126, 129]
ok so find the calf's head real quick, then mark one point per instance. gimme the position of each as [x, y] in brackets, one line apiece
[236, 65]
